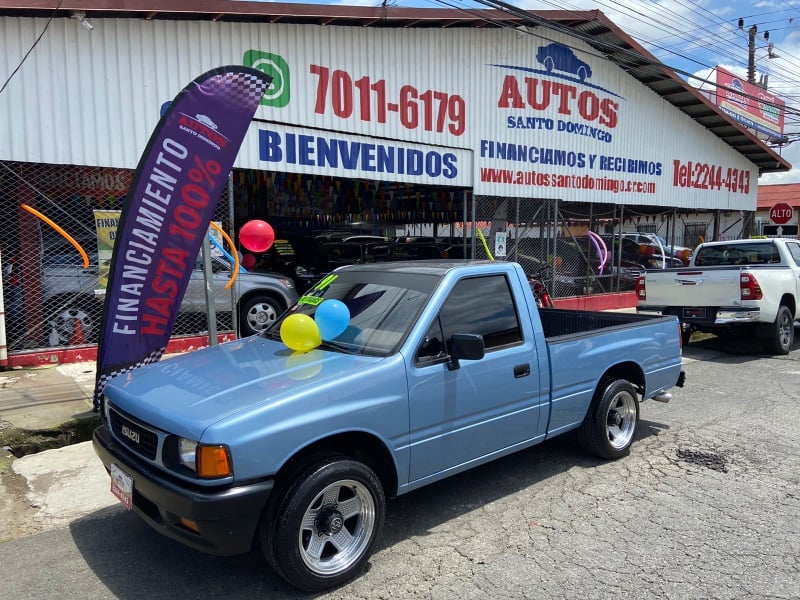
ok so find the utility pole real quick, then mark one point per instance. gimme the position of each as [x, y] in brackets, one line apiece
[751, 54]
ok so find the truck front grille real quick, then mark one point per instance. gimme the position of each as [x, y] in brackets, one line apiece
[133, 435]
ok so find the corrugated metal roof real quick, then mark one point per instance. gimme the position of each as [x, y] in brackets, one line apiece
[769, 195]
[593, 26]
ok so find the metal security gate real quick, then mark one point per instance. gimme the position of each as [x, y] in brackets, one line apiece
[53, 289]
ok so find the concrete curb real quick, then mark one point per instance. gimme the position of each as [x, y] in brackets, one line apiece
[64, 484]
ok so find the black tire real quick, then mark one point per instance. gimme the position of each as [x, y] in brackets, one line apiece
[325, 525]
[686, 335]
[779, 335]
[256, 313]
[610, 424]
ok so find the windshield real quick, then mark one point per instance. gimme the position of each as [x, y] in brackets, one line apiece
[382, 307]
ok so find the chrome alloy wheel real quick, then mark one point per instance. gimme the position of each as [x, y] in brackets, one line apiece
[337, 527]
[621, 419]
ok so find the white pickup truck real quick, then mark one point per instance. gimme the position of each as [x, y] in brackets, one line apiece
[736, 287]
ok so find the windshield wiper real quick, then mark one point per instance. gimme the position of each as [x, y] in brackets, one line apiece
[339, 347]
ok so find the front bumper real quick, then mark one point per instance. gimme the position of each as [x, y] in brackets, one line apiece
[226, 518]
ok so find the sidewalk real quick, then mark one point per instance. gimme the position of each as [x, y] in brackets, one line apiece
[45, 397]
[50, 488]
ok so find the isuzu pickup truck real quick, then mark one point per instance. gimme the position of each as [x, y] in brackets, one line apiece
[738, 287]
[437, 367]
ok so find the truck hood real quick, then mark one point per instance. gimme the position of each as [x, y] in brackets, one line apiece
[186, 394]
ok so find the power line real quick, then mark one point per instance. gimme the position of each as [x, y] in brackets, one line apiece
[618, 50]
[35, 43]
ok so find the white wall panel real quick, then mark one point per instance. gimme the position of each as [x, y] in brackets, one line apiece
[93, 97]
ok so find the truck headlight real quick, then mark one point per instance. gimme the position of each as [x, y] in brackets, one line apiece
[208, 461]
[187, 453]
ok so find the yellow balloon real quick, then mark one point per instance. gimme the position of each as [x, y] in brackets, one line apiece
[300, 332]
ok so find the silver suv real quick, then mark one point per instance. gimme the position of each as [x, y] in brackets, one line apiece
[71, 292]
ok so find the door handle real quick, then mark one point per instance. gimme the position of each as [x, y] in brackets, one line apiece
[522, 371]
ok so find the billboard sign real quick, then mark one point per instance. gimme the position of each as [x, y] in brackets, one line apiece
[749, 104]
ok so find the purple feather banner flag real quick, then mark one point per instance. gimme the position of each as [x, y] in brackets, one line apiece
[166, 215]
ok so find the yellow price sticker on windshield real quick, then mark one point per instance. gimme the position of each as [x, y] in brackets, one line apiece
[314, 298]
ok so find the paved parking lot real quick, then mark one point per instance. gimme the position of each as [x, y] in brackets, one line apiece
[706, 506]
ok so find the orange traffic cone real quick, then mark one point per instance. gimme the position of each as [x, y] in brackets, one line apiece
[77, 333]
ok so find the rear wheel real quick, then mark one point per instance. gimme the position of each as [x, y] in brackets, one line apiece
[779, 335]
[610, 425]
[325, 526]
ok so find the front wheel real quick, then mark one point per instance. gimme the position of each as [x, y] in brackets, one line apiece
[325, 525]
[610, 425]
[257, 314]
[779, 335]
[73, 322]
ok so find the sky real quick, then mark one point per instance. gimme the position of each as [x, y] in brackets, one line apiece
[694, 36]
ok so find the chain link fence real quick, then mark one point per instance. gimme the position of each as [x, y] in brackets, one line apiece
[53, 290]
[53, 297]
[578, 249]
[547, 243]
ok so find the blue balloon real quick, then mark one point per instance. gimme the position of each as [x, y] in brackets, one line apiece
[332, 318]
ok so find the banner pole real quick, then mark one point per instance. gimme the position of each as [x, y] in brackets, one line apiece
[208, 279]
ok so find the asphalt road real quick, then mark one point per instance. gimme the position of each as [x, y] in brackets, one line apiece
[706, 506]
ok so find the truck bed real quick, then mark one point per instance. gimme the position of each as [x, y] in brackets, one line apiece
[558, 322]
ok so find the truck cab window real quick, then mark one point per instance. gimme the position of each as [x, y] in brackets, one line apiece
[485, 306]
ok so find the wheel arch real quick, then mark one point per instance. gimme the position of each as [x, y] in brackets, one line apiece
[63, 299]
[249, 295]
[625, 370]
[357, 445]
[790, 302]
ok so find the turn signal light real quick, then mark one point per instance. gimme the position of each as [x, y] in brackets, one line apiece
[190, 525]
[213, 461]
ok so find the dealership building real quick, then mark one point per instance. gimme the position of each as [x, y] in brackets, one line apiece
[441, 122]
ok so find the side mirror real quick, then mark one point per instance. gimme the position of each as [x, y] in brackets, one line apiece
[466, 346]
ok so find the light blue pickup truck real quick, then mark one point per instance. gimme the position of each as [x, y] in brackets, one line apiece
[440, 367]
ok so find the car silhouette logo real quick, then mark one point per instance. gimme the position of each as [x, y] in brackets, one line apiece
[557, 57]
[206, 120]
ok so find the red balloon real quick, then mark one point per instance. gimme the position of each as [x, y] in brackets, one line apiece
[248, 261]
[256, 236]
